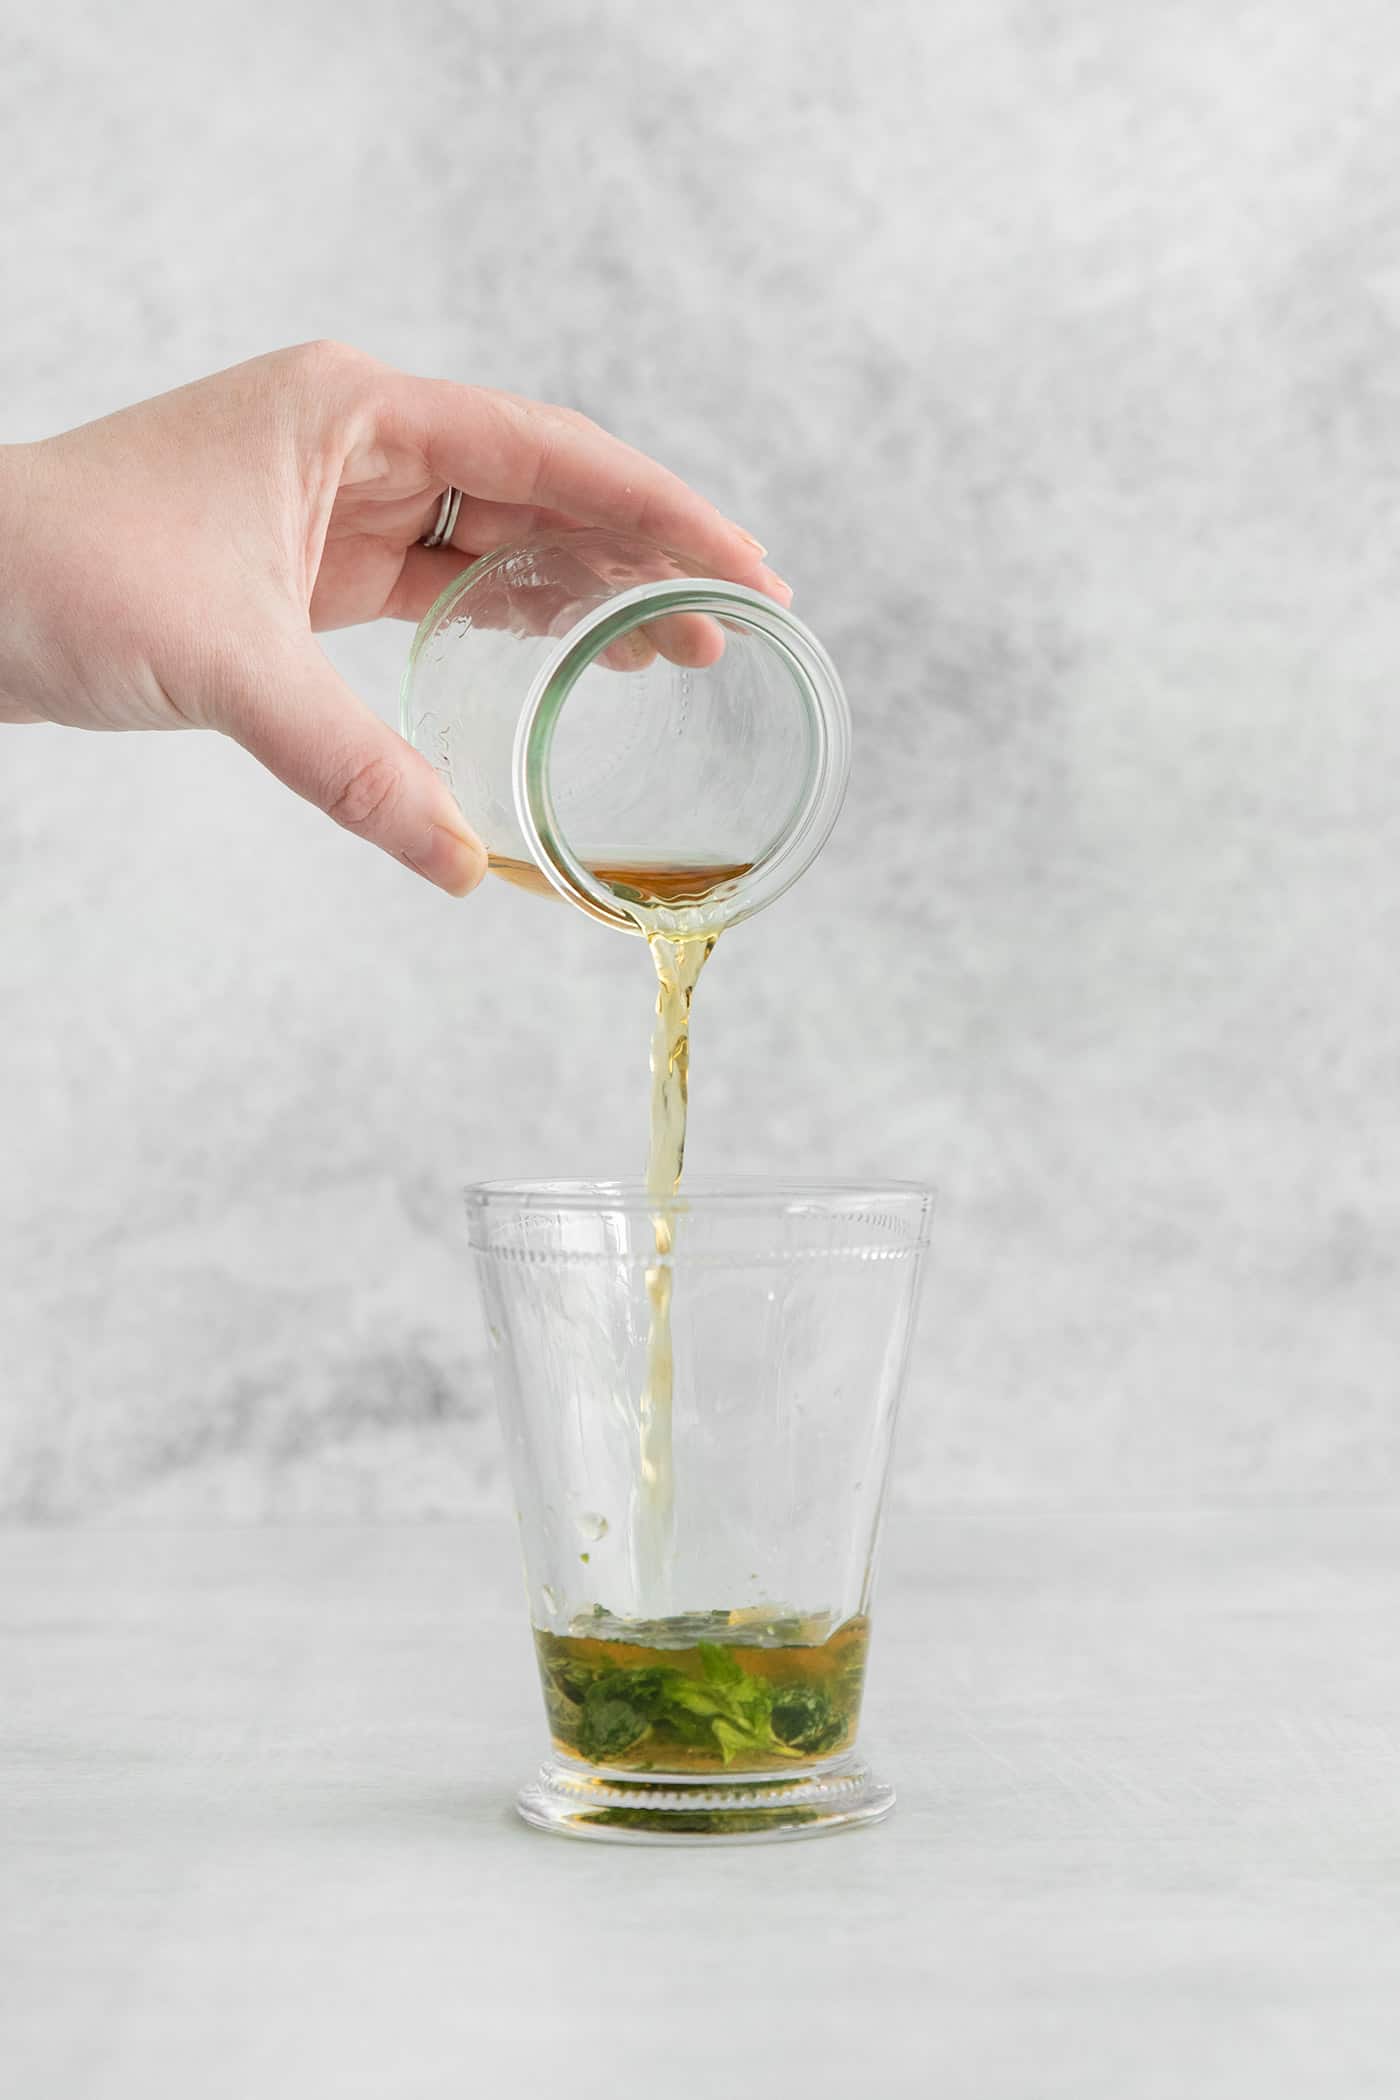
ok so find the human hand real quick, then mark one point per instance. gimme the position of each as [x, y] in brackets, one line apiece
[167, 567]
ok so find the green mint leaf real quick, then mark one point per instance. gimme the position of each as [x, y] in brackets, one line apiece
[700, 1699]
[751, 1699]
[675, 1724]
[720, 1665]
[734, 1712]
[610, 1721]
[571, 1680]
[804, 1720]
[731, 1740]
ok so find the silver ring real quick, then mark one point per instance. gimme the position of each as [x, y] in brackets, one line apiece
[446, 523]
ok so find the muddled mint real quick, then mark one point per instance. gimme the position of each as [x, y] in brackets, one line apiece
[611, 1723]
[803, 1719]
[727, 1822]
[606, 1710]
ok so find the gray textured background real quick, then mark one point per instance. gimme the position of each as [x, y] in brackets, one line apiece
[1053, 350]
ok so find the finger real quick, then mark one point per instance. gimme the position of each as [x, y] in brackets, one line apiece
[425, 575]
[525, 452]
[483, 525]
[691, 640]
[632, 651]
[305, 725]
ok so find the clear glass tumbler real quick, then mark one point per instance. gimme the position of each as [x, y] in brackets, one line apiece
[626, 733]
[711, 1688]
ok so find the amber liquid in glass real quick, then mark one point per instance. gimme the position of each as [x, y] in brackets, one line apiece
[647, 886]
[706, 1693]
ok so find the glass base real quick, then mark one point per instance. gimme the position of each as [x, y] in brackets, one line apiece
[659, 1810]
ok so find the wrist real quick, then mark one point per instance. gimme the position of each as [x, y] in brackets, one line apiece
[19, 639]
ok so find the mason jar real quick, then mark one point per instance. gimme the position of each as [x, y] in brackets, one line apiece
[627, 732]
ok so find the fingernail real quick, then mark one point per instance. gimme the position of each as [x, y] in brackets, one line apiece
[451, 859]
[775, 587]
[632, 651]
[758, 547]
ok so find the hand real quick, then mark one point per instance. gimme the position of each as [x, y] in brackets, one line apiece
[167, 567]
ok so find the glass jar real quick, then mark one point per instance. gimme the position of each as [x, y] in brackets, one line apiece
[635, 736]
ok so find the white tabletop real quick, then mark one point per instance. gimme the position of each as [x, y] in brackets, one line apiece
[257, 1841]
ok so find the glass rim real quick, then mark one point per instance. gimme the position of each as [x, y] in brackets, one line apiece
[702, 1193]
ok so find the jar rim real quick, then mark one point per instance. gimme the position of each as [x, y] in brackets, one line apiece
[828, 712]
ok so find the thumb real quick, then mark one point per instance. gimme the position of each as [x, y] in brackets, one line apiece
[305, 725]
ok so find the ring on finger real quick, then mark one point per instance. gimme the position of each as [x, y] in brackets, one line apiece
[445, 523]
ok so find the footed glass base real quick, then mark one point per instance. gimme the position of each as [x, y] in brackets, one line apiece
[659, 1810]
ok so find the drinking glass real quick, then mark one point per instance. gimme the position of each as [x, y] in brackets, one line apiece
[701, 1637]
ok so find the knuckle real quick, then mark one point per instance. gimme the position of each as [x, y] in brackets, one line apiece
[546, 448]
[502, 423]
[566, 418]
[367, 795]
[505, 417]
[324, 359]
